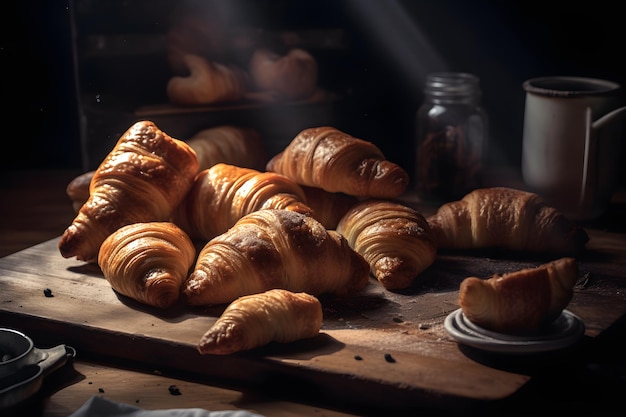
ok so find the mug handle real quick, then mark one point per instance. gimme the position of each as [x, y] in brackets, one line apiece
[589, 165]
[55, 357]
[590, 177]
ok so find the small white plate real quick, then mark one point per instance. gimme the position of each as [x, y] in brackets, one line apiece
[566, 330]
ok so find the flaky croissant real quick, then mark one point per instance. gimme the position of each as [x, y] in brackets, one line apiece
[393, 238]
[520, 301]
[328, 208]
[256, 320]
[142, 179]
[505, 218]
[270, 249]
[230, 145]
[147, 262]
[207, 83]
[335, 161]
[224, 193]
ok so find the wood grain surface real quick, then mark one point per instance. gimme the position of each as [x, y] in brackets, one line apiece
[347, 367]
[375, 325]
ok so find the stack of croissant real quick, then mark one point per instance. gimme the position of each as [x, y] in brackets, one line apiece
[209, 65]
[270, 77]
[323, 217]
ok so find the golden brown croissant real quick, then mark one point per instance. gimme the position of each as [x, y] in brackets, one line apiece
[505, 218]
[327, 158]
[142, 179]
[328, 208]
[292, 76]
[78, 189]
[147, 262]
[520, 301]
[270, 249]
[229, 144]
[224, 193]
[256, 320]
[208, 82]
[393, 238]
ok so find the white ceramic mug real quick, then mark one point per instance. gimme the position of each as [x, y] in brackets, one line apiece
[571, 143]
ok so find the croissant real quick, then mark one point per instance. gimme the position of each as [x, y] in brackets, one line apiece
[396, 240]
[270, 249]
[328, 208]
[78, 189]
[256, 320]
[229, 144]
[224, 193]
[208, 82]
[505, 218]
[520, 301]
[147, 262]
[142, 179]
[292, 76]
[327, 158]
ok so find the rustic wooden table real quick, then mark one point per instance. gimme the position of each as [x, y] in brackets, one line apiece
[587, 380]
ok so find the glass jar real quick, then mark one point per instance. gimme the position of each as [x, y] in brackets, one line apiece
[452, 132]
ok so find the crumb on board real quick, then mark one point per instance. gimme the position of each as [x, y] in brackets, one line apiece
[389, 358]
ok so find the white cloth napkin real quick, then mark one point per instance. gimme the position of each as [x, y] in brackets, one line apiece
[102, 407]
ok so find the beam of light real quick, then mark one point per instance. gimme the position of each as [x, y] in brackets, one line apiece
[399, 35]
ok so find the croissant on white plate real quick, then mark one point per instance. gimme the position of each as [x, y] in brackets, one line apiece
[147, 262]
[256, 320]
[395, 239]
[335, 161]
[520, 301]
[142, 179]
[506, 218]
[269, 249]
[224, 193]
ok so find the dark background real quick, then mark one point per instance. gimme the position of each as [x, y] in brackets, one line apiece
[504, 43]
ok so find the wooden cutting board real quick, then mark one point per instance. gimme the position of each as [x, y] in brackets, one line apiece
[377, 348]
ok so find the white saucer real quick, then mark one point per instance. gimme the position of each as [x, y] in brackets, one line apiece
[566, 330]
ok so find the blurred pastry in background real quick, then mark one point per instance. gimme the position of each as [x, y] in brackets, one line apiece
[198, 31]
[207, 83]
[290, 76]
